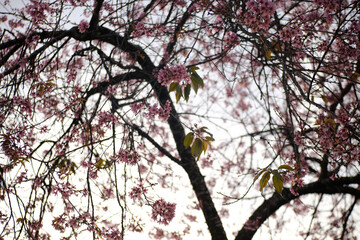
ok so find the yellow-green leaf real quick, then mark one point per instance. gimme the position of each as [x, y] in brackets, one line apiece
[173, 86]
[204, 146]
[99, 163]
[268, 54]
[194, 83]
[73, 167]
[285, 166]
[188, 139]
[264, 180]
[209, 139]
[194, 68]
[178, 93]
[278, 181]
[258, 174]
[199, 80]
[197, 147]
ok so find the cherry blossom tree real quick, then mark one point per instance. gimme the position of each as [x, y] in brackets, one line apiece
[173, 119]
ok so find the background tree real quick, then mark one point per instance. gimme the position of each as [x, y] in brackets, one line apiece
[115, 112]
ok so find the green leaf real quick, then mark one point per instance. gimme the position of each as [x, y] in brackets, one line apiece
[188, 139]
[264, 180]
[258, 174]
[100, 163]
[197, 147]
[178, 93]
[278, 181]
[173, 86]
[205, 146]
[73, 168]
[285, 166]
[187, 92]
[194, 83]
[194, 68]
[209, 139]
[198, 79]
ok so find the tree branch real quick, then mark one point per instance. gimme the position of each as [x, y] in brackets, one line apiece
[96, 14]
[271, 205]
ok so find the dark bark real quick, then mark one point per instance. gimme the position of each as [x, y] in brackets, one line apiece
[96, 15]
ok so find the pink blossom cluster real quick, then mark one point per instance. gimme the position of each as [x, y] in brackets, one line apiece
[76, 3]
[92, 167]
[107, 193]
[65, 189]
[258, 14]
[64, 221]
[13, 147]
[176, 73]
[231, 39]
[137, 192]
[329, 5]
[136, 107]
[15, 23]
[290, 33]
[163, 212]
[71, 76]
[83, 26]
[141, 29]
[111, 233]
[106, 119]
[130, 157]
[162, 113]
[326, 135]
[23, 103]
[22, 177]
[38, 11]
[3, 18]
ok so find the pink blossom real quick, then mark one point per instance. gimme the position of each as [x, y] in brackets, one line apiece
[136, 107]
[112, 233]
[71, 76]
[231, 39]
[137, 192]
[163, 212]
[65, 189]
[107, 193]
[106, 119]
[22, 177]
[139, 30]
[128, 157]
[162, 113]
[176, 73]
[38, 11]
[83, 26]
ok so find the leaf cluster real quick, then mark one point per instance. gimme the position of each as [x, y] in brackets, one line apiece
[198, 143]
[278, 180]
[196, 82]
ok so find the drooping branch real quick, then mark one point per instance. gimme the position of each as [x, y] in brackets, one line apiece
[271, 205]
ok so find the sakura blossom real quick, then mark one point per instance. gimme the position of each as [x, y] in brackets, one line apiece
[163, 212]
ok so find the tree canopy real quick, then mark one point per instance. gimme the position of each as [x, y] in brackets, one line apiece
[171, 119]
